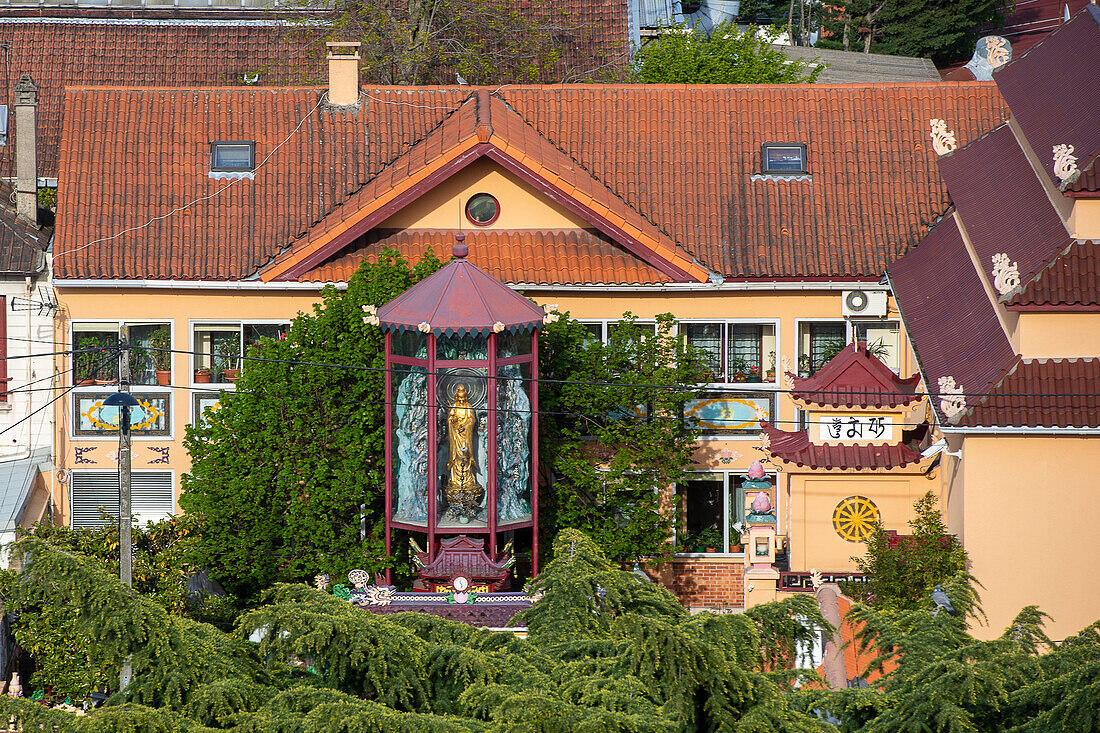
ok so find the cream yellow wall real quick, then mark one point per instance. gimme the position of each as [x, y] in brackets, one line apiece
[179, 308]
[520, 207]
[1084, 221]
[1058, 335]
[182, 307]
[813, 498]
[1031, 517]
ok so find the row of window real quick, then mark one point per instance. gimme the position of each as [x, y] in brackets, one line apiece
[216, 349]
[737, 351]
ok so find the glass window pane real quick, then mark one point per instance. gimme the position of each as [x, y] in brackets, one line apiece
[595, 329]
[883, 339]
[144, 361]
[254, 332]
[513, 443]
[410, 343]
[513, 343]
[466, 346]
[233, 156]
[217, 348]
[409, 492]
[97, 360]
[745, 352]
[462, 423]
[701, 502]
[784, 158]
[707, 338]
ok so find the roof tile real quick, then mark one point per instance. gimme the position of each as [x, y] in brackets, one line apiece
[1042, 393]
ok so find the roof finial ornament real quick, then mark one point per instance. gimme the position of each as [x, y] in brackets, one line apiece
[952, 400]
[1006, 276]
[943, 140]
[1065, 163]
[460, 250]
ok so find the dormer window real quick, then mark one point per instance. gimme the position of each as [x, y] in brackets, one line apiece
[235, 156]
[784, 158]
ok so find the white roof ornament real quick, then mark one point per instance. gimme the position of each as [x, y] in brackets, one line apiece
[943, 140]
[952, 401]
[990, 54]
[1065, 163]
[997, 51]
[1006, 277]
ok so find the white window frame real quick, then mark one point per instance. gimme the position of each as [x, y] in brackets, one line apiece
[168, 391]
[77, 472]
[777, 336]
[728, 478]
[215, 323]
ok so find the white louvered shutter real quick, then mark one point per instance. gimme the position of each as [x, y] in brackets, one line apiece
[150, 496]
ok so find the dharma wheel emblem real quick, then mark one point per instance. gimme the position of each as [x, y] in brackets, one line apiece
[855, 518]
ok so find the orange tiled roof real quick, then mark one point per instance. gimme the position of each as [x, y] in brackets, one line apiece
[150, 50]
[672, 174]
[534, 257]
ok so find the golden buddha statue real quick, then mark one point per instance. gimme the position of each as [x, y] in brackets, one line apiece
[462, 491]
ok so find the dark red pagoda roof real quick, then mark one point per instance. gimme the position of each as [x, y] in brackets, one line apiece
[1057, 393]
[856, 378]
[796, 448]
[460, 298]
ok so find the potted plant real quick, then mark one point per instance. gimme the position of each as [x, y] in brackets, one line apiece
[829, 349]
[738, 369]
[96, 364]
[753, 374]
[771, 366]
[805, 366]
[229, 355]
[160, 341]
[203, 376]
[709, 539]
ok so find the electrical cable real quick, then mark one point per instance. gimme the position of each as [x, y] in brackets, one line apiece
[19, 422]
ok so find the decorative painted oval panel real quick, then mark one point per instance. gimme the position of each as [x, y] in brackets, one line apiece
[854, 518]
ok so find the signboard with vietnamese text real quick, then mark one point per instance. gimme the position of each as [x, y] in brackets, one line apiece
[862, 428]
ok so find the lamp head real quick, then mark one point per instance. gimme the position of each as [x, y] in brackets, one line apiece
[120, 399]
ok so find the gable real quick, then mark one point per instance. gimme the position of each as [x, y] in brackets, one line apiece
[520, 205]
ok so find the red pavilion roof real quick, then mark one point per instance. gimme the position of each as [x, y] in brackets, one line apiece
[460, 298]
[464, 555]
[796, 448]
[855, 378]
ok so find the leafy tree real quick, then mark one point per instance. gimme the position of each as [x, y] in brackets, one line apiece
[288, 468]
[683, 55]
[640, 664]
[902, 573]
[435, 41]
[613, 442]
[943, 30]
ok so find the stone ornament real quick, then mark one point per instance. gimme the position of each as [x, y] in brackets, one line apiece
[815, 577]
[952, 401]
[321, 581]
[943, 140]
[498, 327]
[548, 315]
[378, 595]
[1006, 277]
[997, 52]
[424, 327]
[1065, 163]
[370, 315]
[358, 578]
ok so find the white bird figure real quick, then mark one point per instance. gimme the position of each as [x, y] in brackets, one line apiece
[942, 601]
[460, 80]
[642, 575]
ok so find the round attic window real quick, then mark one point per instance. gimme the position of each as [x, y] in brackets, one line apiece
[482, 209]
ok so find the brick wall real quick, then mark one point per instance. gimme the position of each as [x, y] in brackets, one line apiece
[706, 582]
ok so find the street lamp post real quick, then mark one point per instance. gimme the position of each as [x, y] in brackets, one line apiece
[124, 401]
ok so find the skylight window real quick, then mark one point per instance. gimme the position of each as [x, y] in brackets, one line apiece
[233, 156]
[784, 158]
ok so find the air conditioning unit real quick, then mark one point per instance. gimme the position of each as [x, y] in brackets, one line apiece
[860, 303]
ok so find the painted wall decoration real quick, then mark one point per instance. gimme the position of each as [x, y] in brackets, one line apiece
[730, 413]
[89, 419]
[854, 429]
[162, 451]
[204, 401]
[81, 451]
[855, 518]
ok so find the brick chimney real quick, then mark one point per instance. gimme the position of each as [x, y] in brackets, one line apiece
[26, 148]
[343, 73]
